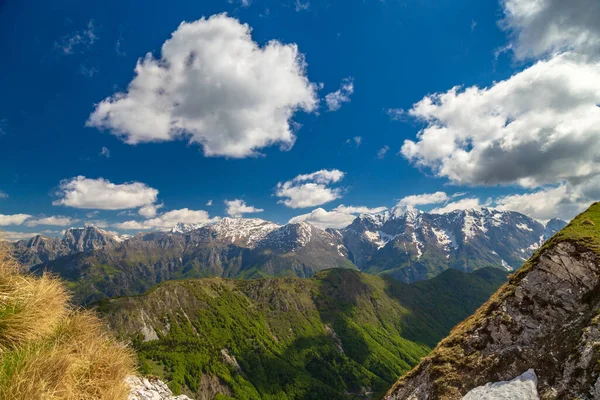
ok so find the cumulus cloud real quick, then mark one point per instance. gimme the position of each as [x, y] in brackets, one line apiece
[325, 219]
[310, 190]
[423, 199]
[101, 194]
[338, 218]
[13, 236]
[216, 87]
[237, 208]
[105, 152]
[542, 27]
[3, 195]
[13, 219]
[463, 204]
[149, 210]
[51, 221]
[358, 209]
[209, 203]
[168, 220]
[564, 201]
[334, 100]
[538, 127]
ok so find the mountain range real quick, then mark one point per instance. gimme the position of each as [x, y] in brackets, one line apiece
[338, 335]
[403, 242]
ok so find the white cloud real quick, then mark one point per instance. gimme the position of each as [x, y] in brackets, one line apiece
[396, 114]
[13, 219]
[149, 210]
[105, 152]
[3, 195]
[12, 236]
[51, 221]
[237, 208]
[338, 218]
[463, 204]
[84, 38]
[168, 220]
[335, 99]
[540, 126]
[216, 87]
[325, 219]
[382, 152]
[564, 201]
[539, 129]
[310, 190]
[209, 203]
[98, 223]
[358, 209]
[544, 27]
[82, 192]
[423, 199]
[302, 5]
[119, 46]
[243, 3]
[356, 140]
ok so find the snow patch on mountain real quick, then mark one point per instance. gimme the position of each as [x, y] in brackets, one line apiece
[418, 245]
[506, 266]
[248, 230]
[524, 227]
[183, 227]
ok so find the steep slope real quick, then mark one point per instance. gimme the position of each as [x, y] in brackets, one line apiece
[216, 250]
[340, 334]
[42, 249]
[545, 319]
[412, 245]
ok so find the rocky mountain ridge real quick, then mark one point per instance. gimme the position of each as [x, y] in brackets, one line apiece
[341, 334]
[545, 319]
[405, 243]
[42, 249]
[410, 244]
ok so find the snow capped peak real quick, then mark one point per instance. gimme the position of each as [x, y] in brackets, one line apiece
[404, 210]
[248, 231]
[183, 227]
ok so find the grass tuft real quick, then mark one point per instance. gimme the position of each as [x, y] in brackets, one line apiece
[49, 351]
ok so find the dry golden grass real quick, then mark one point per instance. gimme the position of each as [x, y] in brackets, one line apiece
[50, 352]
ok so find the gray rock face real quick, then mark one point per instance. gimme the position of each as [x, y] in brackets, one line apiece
[42, 249]
[412, 245]
[150, 389]
[546, 318]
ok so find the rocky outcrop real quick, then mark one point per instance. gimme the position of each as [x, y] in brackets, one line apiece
[523, 387]
[43, 249]
[150, 389]
[545, 318]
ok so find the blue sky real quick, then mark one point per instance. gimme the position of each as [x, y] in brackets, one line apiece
[251, 114]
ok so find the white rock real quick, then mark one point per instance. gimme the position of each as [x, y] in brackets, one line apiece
[523, 387]
[145, 389]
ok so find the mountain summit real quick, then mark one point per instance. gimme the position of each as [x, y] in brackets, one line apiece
[411, 245]
[42, 249]
[545, 319]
